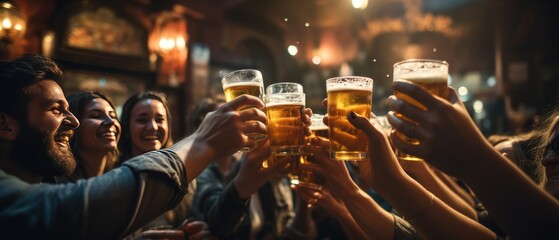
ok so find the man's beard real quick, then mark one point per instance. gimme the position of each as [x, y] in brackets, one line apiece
[37, 152]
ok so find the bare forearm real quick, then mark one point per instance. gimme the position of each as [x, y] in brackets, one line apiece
[524, 211]
[435, 185]
[350, 226]
[369, 216]
[427, 216]
[459, 190]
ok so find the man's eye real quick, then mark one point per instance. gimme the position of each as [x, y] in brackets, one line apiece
[56, 110]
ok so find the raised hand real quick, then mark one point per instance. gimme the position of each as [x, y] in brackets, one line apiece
[336, 176]
[225, 130]
[444, 129]
[253, 175]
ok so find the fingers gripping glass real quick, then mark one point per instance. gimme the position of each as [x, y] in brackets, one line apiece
[244, 81]
[432, 75]
[345, 95]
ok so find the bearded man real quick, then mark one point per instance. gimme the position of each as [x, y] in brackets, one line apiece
[35, 127]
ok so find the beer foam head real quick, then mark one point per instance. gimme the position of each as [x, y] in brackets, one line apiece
[273, 104]
[318, 127]
[228, 85]
[349, 83]
[421, 71]
[423, 77]
[349, 88]
[241, 76]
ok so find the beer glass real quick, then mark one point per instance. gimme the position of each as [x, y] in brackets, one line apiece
[244, 81]
[429, 74]
[285, 103]
[307, 178]
[346, 94]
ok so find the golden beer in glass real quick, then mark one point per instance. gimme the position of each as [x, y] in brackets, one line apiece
[346, 94]
[432, 75]
[306, 178]
[244, 81]
[237, 89]
[285, 103]
[285, 128]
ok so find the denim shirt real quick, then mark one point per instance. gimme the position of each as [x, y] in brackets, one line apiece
[105, 207]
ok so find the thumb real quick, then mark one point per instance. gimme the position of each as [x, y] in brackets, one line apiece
[364, 124]
[453, 96]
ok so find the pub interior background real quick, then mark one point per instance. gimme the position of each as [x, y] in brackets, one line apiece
[503, 54]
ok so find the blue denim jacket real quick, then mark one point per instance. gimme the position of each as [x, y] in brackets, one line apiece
[105, 207]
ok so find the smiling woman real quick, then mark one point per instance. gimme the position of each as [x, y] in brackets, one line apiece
[94, 144]
[146, 125]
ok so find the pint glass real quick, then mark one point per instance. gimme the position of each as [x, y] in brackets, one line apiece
[245, 81]
[346, 94]
[429, 74]
[285, 103]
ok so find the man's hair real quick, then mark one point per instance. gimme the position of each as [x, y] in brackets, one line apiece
[17, 76]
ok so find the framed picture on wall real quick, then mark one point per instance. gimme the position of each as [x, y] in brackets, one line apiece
[102, 35]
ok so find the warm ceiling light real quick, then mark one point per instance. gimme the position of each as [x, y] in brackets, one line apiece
[292, 50]
[316, 60]
[169, 34]
[12, 23]
[359, 4]
[12, 26]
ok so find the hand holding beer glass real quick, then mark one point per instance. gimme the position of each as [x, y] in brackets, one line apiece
[245, 81]
[429, 74]
[347, 94]
[310, 178]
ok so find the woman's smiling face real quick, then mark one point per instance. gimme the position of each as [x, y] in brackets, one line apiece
[99, 129]
[149, 127]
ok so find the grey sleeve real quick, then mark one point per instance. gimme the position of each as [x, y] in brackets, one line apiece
[403, 230]
[105, 207]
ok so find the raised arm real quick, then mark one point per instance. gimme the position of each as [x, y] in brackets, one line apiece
[372, 219]
[451, 142]
[422, 173]
[221, 134]
[430, 216]
[334, 207]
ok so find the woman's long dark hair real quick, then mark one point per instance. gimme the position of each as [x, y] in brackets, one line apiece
[125, 143]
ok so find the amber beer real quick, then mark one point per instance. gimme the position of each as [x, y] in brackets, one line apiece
[436, 85]
[285, 103]
[285, 128]
[346, 94]
[244, 81]
[237, 89]
[308, 178]
[429, 74]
